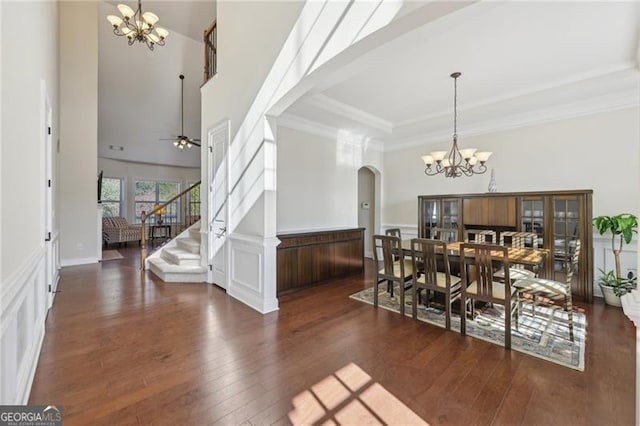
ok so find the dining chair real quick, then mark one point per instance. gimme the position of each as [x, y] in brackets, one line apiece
[394, 232]
[424, 261]
[444, 234]
[517, 240]
[395, 268]
[480, 236]
[555, 291]
[483, 288]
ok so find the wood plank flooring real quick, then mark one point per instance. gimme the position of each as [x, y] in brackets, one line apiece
[125, 348]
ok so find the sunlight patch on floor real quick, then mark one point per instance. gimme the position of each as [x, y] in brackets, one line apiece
[350, 397]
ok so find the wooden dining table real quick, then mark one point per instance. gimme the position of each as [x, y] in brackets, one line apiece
[526, 256]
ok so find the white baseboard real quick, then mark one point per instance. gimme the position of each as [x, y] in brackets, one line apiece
[78, 261]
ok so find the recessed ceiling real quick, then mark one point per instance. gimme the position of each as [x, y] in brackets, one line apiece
[515, 57]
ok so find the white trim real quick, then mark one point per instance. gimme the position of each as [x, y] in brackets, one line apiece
[302, 124]
[14, 283]
[326, 103]
[78, 261]
[36, 349]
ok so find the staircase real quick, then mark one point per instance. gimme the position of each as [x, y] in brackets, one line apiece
[179, 259]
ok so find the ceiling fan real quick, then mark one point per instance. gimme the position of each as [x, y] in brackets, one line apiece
[181, 141]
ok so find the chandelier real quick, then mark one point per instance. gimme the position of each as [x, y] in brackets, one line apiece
[138, 26]
[458, 162]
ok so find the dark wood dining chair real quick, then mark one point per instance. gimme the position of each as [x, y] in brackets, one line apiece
[555, 291]
[424, 261]
[483, 288]
[444, 234]
[395, 268]
[480, 236]
[393, 232]
[517, 240]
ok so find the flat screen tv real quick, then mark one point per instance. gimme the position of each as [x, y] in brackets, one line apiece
[100, 186]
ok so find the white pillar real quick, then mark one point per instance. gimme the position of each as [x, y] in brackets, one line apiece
[631, 307]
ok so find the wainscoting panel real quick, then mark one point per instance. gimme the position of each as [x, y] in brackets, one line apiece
[23, 310]
[252, 276]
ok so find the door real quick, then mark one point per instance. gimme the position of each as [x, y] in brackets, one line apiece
[50, 264]
[218, 140]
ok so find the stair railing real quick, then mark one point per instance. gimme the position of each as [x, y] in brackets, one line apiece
[210, 39]
[172, 217]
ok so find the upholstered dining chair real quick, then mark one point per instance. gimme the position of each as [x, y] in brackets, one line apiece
[424, 261]
[393, 270]
[480, 236]
[517, 240]
[444, 234]
[555, 291]
[483, 288]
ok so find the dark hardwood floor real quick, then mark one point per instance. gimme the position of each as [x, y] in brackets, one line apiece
[122, 348]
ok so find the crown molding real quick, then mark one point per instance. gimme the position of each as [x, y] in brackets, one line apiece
[295, 122]
[326, 103]
[575, 79]
[597, 105]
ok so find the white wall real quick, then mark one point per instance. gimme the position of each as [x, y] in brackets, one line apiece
[590, 152]
[139, 96]
[25, 62]
[78, 132]
[132, 171]
[318, 179]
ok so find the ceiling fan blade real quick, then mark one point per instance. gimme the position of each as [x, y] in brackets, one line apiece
[194, 139]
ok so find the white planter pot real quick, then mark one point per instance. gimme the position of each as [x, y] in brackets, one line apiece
[609, 296]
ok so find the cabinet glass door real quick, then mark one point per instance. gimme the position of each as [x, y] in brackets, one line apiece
[450, 214]
[533, 218]
[430, 215]
[566, 234]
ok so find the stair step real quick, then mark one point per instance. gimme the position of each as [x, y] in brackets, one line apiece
[189, 245]
[194, 233]
[170, 272]
[180, 256]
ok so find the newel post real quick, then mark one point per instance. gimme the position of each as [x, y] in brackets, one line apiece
[143, 241]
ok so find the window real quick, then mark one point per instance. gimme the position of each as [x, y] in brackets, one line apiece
[112, 197]
[150, 192]
[193, 204]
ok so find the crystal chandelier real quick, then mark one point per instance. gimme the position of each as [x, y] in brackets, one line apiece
[138, 26]
[458, 162]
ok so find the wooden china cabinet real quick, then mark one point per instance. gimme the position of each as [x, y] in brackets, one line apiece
[559, 218]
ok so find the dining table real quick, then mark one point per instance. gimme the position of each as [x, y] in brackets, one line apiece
[533, 258]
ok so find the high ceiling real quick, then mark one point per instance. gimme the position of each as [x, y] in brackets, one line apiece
[520, 62]
[186, 17]
[139, 89]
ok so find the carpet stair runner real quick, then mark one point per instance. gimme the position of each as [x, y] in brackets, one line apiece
[179, 260]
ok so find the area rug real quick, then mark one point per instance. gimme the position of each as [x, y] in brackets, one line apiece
[545, 335]
[111, 255]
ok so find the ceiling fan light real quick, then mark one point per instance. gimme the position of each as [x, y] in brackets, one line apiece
[189, 145]
[176, 143]
[126, 11]
[150, 18]
[114, 20]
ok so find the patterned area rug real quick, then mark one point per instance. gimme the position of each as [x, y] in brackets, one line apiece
[111, 255]
[545, 335]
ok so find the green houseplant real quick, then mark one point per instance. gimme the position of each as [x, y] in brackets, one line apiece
[622, 227]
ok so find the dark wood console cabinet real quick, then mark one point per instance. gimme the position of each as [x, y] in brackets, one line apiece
[560, 218]
[307, 258]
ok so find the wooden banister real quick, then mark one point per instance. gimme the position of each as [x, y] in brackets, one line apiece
[210, 39]
[159, 210]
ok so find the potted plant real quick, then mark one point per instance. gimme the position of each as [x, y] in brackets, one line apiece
[613, 287]
[622, 227]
